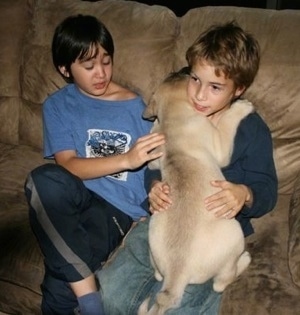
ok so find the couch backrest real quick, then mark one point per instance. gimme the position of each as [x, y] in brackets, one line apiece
[150, 42]
[15, 17]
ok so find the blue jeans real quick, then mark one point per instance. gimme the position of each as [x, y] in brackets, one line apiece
[128, 279]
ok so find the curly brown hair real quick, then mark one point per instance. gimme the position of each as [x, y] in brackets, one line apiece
[229, 49]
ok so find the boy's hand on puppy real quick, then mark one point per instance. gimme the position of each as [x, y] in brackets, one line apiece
[230, 200]
[159, 199]
[142, 150]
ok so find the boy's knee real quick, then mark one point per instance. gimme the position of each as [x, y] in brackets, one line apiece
[49, 176]
[50, 187]
[49, 181]
[48, 172]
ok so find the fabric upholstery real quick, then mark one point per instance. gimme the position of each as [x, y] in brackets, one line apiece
[15, 19]
[294, 235]
[150, 42]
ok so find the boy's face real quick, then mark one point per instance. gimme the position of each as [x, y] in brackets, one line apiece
[92, 75]
[210, 94]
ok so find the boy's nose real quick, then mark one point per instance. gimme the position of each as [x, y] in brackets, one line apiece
[100, 71]
[201, 94]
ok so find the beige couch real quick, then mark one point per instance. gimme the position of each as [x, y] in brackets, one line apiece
[150, 42]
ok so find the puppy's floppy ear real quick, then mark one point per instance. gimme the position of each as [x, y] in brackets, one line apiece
[150, 112]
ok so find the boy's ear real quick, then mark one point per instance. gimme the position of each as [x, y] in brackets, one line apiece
[239, 91]
[64, 71]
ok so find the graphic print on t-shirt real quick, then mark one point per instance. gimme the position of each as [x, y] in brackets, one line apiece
[102, 143]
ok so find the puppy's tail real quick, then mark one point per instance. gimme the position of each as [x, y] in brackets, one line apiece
[165, 300]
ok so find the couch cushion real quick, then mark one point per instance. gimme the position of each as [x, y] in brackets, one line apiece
[15, 163]
[14, 20]
[142, 60]
[294, 237]
[21, 263]
[265, 287]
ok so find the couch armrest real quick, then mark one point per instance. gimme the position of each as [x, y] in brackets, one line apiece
[294, 236]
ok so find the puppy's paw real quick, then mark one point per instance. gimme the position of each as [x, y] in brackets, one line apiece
[242, 108]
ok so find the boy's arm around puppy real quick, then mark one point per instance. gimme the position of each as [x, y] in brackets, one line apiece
[252, 164]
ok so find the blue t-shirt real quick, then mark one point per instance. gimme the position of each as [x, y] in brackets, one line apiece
[99, 128]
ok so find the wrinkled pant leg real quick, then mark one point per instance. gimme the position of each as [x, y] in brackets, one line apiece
[58, 203]
[128, 279]
[58, 297]
[75, 228]
[55, 198]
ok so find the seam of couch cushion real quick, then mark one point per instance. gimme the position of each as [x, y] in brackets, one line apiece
[294, 236]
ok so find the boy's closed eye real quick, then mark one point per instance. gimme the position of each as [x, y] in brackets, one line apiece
[88, 65]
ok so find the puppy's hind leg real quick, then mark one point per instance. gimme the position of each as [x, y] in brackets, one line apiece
[157, 273]
[226, 276]
[164, 300]
[170, 295]
[243, 262]
[231, 272]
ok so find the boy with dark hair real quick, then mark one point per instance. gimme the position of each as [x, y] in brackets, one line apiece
[82, 206]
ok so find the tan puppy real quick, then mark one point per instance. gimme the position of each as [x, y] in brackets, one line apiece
[188, 244]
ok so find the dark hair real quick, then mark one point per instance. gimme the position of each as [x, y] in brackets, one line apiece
[178, 75]
[230, 50]
[78, 37]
